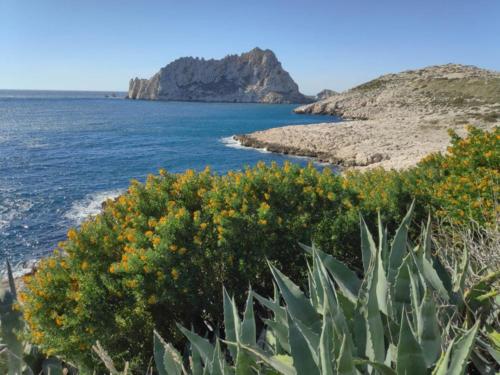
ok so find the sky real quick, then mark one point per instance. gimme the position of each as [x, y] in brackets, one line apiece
[101, 44]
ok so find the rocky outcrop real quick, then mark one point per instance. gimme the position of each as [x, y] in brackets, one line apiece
[394, 120]
[452, 87]
[256, 76]
[325, 94]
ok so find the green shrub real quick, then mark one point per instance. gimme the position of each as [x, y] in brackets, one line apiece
[408, 315]
[161, 252]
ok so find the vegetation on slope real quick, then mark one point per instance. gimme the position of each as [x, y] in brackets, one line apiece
[160, 253]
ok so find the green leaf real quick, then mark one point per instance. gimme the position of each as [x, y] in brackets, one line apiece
[345, 363]
[229, 321]
[368, 307]
[52, 366]
[346, 279]
[429, 335]
[303, 359]
[380, 367]
[428, 272]
[459, 282]
[299, 307]
[398, 248]
[203, 346]
[279, 363]
[368, 247]
[167, 359]
[326, 347]
[442, 364]
[461, 351]
[248, 330]
[410, 359]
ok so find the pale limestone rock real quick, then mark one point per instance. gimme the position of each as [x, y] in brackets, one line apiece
[255, 76]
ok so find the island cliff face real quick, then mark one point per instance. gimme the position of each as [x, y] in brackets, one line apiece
[252, 77]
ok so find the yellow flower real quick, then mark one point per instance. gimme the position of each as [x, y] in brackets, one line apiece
[263, 222]
[156, 241]
[203, 226]
[174, 273]
[173, 248]
[72, 234]
[152, 299]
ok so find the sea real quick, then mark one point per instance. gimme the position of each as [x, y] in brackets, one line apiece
[63, 153]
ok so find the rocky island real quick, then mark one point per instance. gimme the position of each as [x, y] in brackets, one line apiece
[252, 77]
[392, 121]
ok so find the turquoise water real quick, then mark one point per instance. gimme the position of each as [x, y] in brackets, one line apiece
[63, 153]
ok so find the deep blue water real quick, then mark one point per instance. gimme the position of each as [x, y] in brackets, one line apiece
[63, 153]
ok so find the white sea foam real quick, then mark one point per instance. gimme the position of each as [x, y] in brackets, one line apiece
[233, 143]
[90, 205]
[12, 209]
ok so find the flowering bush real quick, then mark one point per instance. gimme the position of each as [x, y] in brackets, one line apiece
[160, 253]
[463, 184]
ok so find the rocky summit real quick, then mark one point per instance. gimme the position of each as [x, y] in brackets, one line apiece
[252, 77]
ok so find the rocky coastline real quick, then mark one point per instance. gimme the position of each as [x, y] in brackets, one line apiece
[392, 121]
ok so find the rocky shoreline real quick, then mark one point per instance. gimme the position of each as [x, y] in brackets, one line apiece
[392, 121]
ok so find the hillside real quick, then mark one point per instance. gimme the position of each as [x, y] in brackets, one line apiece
[394, 120]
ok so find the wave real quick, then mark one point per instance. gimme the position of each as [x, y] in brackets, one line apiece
[233, 143]
[12, 209]
[90, 205]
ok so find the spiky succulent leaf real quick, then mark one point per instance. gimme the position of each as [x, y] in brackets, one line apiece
[346, 279]
[201, 344]
[303, 359]
[429, 335]
[398, 248]
[410, 358]
[167, 359]
[461, 351]
[298, 305]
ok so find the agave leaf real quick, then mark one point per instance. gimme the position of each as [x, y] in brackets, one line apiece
[274, 306]
[299, 306]
[248, 330]
[429, 335]
[347, 280]
[279, 363]
[410, 358]
[368, 308]
[380, 367]
[398, 248]
[167, 359]
[326, 347]
[461, 351]
[368, 247]
[345, 363]
[195, 361]
[52, 366]
[281, 333]
[459, 282]
[400, 296]
[216, 365]
[429, 274]
[303, 358]
[202, 345]
[229, 323]
[442, 364]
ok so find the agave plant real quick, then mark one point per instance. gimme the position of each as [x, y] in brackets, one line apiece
[22, 358]
[408, 315]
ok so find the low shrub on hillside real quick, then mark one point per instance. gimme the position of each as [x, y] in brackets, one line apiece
[161, 252]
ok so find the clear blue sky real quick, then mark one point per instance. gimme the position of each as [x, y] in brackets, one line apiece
[101, 44]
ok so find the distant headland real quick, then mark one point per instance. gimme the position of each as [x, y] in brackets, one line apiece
[252, 77]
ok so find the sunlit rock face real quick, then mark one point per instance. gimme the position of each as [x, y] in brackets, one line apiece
[252, 77]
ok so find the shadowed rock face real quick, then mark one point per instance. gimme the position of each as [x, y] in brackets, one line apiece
[252, 77]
